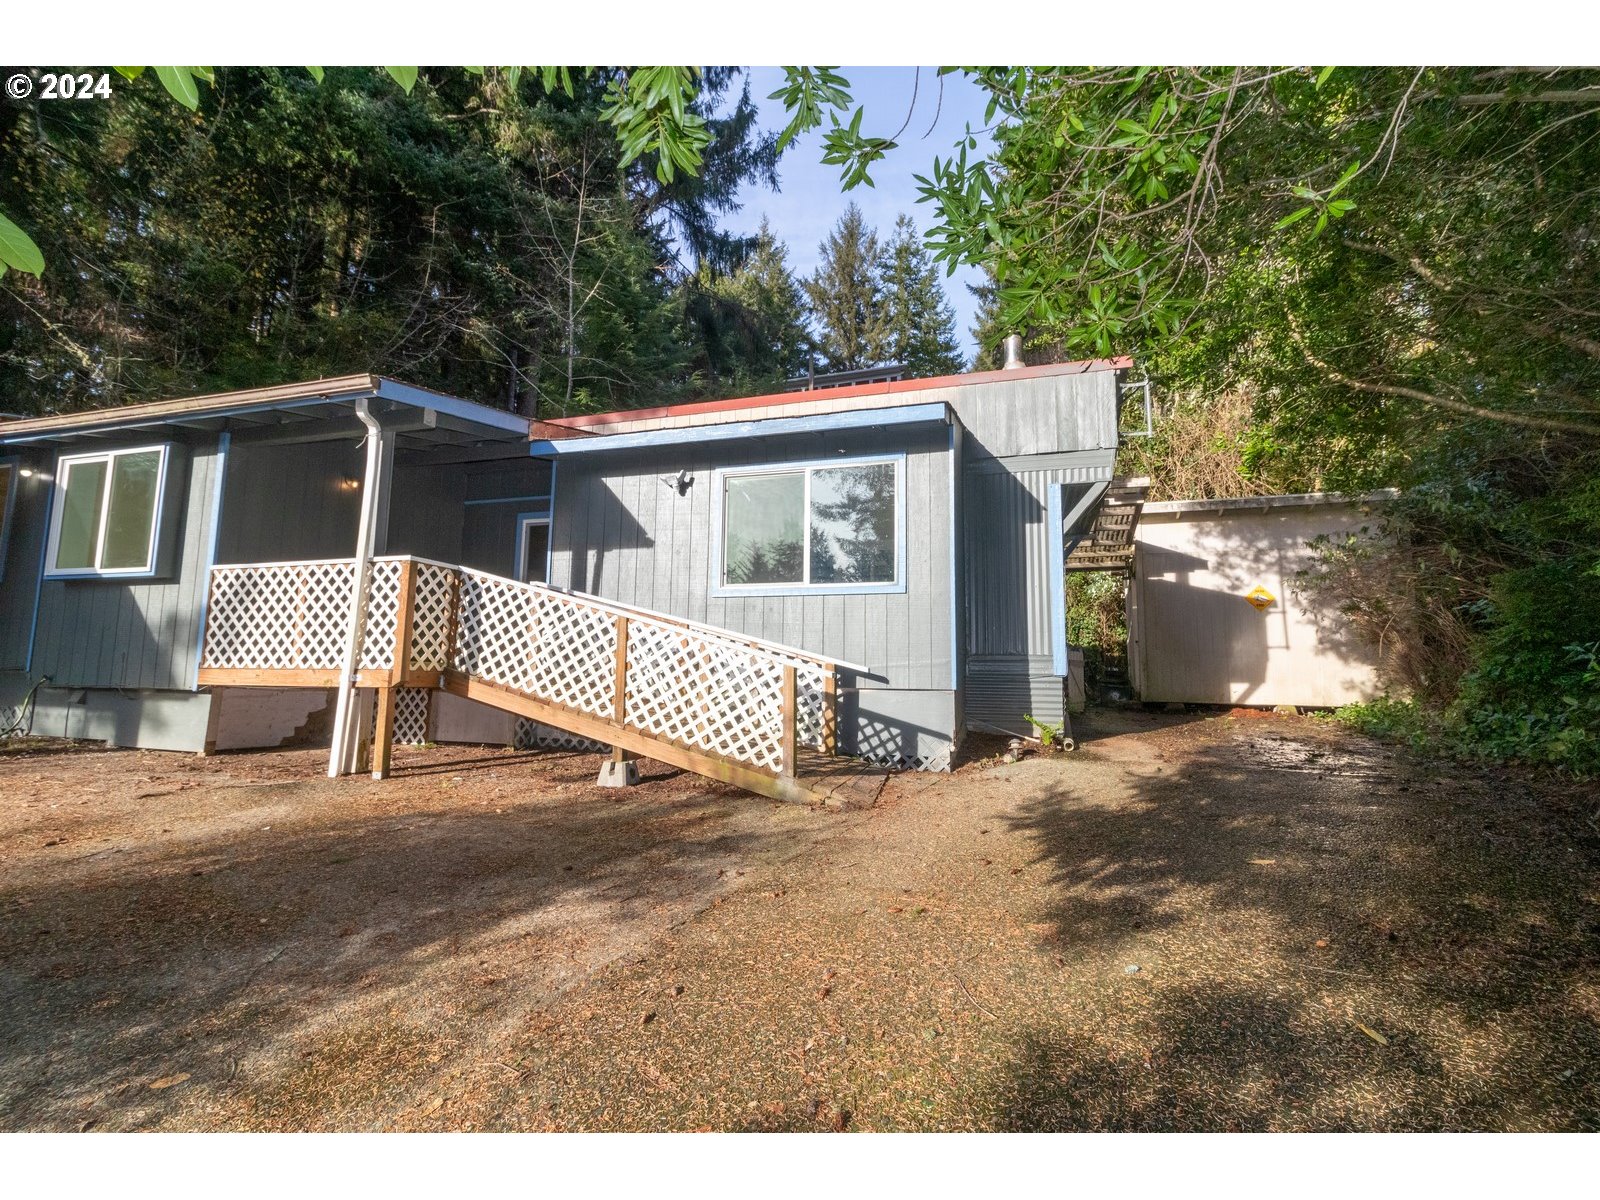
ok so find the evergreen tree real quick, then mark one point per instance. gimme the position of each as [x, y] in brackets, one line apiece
[750, 323]
[846, 296]
[921, 322]
[292, 228]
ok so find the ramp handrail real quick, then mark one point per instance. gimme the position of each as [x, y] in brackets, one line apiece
[714, 691]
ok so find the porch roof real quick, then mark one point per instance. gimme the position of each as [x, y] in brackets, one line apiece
[316, 408]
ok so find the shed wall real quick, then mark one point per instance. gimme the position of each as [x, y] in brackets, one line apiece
[1192, 636]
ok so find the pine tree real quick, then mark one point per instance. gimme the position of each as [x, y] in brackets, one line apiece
[847, 298]
[753, 320]
[921, 332]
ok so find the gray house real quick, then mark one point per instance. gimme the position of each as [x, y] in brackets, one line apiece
[866, 570]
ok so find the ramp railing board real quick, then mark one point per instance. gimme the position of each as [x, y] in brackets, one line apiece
[573, 660]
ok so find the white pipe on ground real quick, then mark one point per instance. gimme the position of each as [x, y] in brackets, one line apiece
[341, 755]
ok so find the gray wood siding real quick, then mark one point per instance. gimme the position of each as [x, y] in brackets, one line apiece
[498, 494]
[136, 633]
[23, 550]
[425, 509]
[286, 501]
[622, 531]
[1050, 415]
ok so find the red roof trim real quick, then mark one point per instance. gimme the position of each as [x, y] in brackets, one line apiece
[1083, 367]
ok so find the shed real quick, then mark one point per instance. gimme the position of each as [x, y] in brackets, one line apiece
[1214, 616]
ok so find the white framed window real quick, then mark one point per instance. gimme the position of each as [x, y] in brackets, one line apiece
[832, 526]
[106, 515]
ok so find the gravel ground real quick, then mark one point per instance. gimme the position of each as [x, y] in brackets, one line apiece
[1189, 924]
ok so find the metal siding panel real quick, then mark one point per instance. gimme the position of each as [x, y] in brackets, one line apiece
[1006, 577]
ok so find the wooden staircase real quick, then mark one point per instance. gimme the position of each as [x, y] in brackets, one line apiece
[752, 713]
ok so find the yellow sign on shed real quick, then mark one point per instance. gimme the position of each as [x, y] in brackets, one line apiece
[1261, 598]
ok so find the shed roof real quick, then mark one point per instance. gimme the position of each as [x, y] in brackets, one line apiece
[1176, 508]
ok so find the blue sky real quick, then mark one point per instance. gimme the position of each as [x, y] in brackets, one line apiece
[810, 201]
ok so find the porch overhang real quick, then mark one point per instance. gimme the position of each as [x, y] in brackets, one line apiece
[683, 435]
[315, 410]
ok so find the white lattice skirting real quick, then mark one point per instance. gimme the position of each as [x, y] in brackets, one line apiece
[411, 716]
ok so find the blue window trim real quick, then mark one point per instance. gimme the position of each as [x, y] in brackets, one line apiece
[731, 591]
[58, 493]
[509, 500]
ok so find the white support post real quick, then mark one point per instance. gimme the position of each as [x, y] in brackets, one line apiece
[374, 506]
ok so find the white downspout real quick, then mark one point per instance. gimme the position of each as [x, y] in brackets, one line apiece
[339, 757]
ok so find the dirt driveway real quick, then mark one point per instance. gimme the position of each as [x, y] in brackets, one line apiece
[1190, 924]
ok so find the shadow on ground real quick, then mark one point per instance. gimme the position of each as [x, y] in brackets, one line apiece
[234, 938]
[1327, 936]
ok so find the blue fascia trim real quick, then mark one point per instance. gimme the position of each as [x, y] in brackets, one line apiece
[861, 418]
[224, 443]
[388, 389]
[466, 410]
[1056, 577]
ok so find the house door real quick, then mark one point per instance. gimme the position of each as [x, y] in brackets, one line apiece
[533, 550]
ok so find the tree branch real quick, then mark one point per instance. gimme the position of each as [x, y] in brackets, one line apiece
[1462, 407]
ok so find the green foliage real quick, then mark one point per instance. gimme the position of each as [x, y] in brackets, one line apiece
[875, 303]
[846, 296]
[294, 228]
[805, 93]
[17, 251]
[652, 110]
[1049, 734]
[1097, 613]
[1397, 720]
[751, 322]
[921, 324]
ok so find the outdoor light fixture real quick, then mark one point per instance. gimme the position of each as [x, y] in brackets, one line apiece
[350, 483]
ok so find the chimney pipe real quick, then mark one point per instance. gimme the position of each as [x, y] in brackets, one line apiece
[1014, 352]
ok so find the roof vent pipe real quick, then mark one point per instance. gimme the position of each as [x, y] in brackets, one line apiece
[1014, 352]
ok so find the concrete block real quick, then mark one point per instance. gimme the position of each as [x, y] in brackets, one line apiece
[618, 774]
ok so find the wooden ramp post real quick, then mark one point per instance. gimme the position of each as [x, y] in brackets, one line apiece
[383, 735]
[620, 770]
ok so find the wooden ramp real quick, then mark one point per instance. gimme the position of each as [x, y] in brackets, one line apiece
[740, 710]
